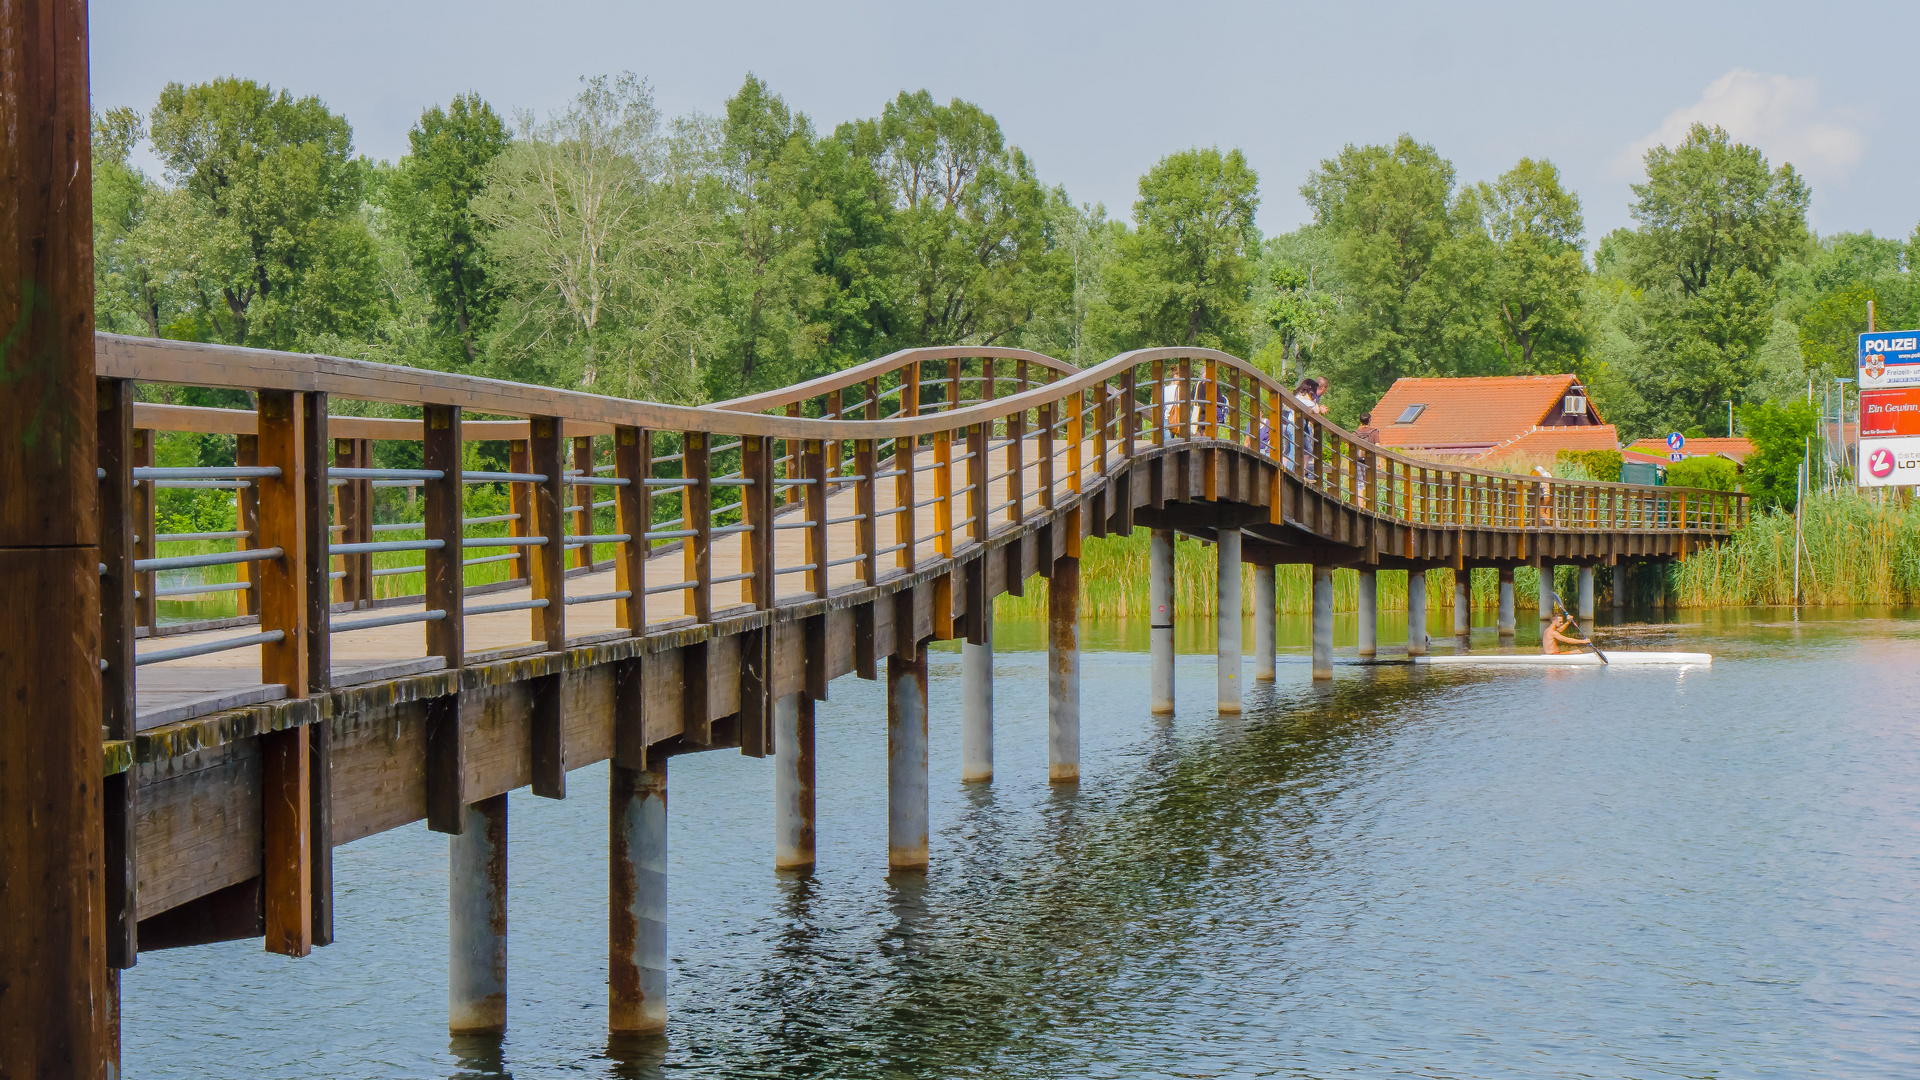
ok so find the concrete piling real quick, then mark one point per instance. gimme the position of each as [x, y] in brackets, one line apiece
[1227, 621]
[1546, 600]
[1063, 672]
[976, 705]
[1585, 593]
[1263, 623]
[1323, 622]
[1506, 605]
[1160, 624]
[637, 899]
[1463, 608]
[1369, 614]
[907, 761]
[793, 782]
[1416, 613]
[477, 920]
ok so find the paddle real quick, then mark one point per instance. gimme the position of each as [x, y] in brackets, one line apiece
[1571, 621]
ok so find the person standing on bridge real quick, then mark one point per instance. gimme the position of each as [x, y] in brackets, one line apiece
[1556, 636]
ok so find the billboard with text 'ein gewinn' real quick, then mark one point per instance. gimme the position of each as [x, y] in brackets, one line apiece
[1890, 408]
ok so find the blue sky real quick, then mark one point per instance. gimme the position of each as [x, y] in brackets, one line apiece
[1097, 92]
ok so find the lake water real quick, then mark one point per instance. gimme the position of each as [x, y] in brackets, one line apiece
[1495, 873]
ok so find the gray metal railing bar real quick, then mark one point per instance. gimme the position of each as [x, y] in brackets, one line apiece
[503, 478]
[730, 578]
[669, 481]
[386, 545]
[218, 558]
[796, 569]
[397, 483]
[502, 541]
[670, 534]
[389, 571]
[605, 538]
[485, 559]
[171, 484]
[596, 598]
[196, 590]
[845, 561]
[793, 525]
[844, 479]
[729, 530]
[574, 479]
[677, 586]
[844, 520]
[890, 550]
[889, 512]
[434, 615]
[929, 502]
[206, 647]
[495, 609]
[208, 472]
[384, 474]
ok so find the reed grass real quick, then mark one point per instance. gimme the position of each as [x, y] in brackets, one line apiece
[1857, 549]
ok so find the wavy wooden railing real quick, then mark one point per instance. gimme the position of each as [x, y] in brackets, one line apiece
[870, 472]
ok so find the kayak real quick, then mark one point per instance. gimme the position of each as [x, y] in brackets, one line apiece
[1614, 659]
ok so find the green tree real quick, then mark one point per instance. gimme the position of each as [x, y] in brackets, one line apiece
[1715, 222]
[127, 287]
[1538, 268]
[1779, 434]
[1184, 275]
[429, 202]
[596, 243]
[262, 228]
[1712, 473]
[1413, 265]
[970, 257]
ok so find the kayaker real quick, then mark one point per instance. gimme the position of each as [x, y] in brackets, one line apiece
[1551, 646]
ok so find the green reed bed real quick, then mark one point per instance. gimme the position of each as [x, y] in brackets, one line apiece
[1856, 549]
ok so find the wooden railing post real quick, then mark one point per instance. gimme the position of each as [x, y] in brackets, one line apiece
[977, 440]
[286, 756]
[1159, 403]
[820, 463]
[835, 410]
[756, 511]
[1045, 452]
[943, 483]
[904, 526]
[865, 503]
[443, 501]
[1076, 405]
[114, 433]
[1017, 458]
[549, 569]
[696, 504]
[1189, 399]
[520, 496]
[633, 516]
[583, 498]
[145, 521]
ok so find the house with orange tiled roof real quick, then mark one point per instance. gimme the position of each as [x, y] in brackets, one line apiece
[1501, 416]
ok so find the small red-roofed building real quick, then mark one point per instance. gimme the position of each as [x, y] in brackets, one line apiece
[1504, 416]
[1735, 449]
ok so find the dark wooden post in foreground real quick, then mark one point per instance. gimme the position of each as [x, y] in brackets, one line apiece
[54, 985]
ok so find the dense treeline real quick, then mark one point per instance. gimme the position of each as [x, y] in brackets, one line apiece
[701, 257]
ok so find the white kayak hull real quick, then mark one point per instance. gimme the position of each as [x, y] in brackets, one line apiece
[1614, 659]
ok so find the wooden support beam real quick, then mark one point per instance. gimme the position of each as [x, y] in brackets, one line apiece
[548, 727]
[114, 433]
[446, 786]
[287, 861]
[549, 570]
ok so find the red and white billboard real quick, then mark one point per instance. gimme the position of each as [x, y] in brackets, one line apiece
[1889, 414]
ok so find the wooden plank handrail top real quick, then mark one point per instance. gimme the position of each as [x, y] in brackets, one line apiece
[886, 365]
[197, 364]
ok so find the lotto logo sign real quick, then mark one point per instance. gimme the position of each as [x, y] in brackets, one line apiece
[1880, 463]
[1889, 462]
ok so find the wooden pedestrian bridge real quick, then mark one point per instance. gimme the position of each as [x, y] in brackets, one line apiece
[674, 580]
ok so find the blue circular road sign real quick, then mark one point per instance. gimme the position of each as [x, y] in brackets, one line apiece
[1675, 440]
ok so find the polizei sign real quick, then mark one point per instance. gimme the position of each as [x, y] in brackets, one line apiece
[1890, 408]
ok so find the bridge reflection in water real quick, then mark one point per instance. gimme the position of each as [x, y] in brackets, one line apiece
[759, 549]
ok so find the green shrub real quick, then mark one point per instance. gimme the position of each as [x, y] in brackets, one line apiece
[1602, 465]
[1712, 473]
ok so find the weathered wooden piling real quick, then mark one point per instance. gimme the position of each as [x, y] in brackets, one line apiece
[1416, 613]
[907, 760]
[1323, 622]
[477, 918]
[1263, 623]
[637, 901]
[1160, 622]
[1546, 599]
[1585, 593]
[54, 983]
[1506, 605]
[1369, 614]
[976, 703]
[1063, 672]
[1226, 608]
[793, 782]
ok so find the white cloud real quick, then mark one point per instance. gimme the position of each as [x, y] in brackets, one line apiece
[1778, 114]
